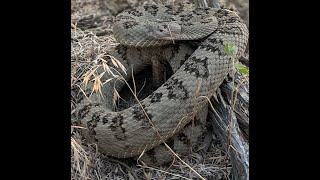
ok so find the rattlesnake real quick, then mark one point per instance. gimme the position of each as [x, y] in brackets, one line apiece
[147, 32]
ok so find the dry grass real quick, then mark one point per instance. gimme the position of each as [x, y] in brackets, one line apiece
[88, 53]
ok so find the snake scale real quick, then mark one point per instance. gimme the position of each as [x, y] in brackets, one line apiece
[151, 31]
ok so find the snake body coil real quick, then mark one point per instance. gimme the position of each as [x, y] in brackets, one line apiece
[148, 31]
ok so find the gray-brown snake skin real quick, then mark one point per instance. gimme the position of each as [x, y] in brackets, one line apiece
[172, 106]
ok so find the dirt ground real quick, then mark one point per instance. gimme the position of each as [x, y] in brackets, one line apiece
[91, 37]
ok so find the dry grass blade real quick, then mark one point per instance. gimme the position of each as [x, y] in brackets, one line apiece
[106, 81]
[117, 63]
[179, 124]
[116, 96]
[177, 175]
[236, 91]
[170, 34]
[216, 113]
[113, 61]
[73, 80]
[82, 91]
[134, 84]
[211, 106]
[108, 70]
[97, 84]
[80, 158]
[87, 76]
[79, 127]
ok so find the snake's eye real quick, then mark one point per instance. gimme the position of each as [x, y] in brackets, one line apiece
[157, 31]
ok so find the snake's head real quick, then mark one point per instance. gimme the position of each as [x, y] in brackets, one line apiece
[164, 31]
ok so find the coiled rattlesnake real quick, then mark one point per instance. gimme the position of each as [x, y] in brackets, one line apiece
[147, 32]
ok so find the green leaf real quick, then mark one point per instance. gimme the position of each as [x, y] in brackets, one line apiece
[242, 69]
[230, 49]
